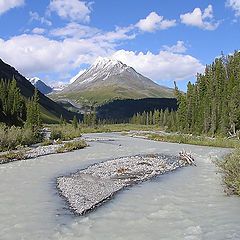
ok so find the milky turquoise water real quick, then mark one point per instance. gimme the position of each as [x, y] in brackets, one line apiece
[187, 204]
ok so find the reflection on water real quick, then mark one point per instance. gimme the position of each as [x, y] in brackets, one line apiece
[186, 204]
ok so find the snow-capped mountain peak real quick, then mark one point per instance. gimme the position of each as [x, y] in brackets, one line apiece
[40, 85]
[101, 69]
[34, 80]
[107, 63]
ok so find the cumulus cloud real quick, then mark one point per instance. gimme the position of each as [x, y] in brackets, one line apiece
[204, 20]
[6, 5]
[178, 48]
[235, 5]
[35, 16]
[162, 66]
[71, 9]
[39, 54]
[154, 22]
[38, 30]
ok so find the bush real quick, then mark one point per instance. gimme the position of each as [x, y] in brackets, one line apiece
[11, 137]
[231, 169]
[64, 132]
[70, 146]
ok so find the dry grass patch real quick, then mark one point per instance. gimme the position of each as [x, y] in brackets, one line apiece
[122, 170]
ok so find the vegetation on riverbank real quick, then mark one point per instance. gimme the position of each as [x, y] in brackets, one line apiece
[194, 140]
[15, 137]
[231, 170]
[70, 146]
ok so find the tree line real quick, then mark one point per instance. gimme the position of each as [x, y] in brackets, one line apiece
[212, 105]
[163, 118]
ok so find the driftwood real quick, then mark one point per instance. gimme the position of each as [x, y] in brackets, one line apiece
[183, 155]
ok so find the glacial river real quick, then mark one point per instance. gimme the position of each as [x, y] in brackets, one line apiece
[186, 204]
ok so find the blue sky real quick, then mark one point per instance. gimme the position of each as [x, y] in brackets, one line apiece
[163, 40]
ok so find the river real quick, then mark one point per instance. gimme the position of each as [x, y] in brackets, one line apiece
[186, 204]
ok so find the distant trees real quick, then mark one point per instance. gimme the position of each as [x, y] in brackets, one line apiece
[159, 118]
[212, 105]
[90, 117]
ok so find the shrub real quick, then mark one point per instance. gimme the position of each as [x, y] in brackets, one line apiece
[11, 137]
[231, 169]
[64, 132]
[70, 146]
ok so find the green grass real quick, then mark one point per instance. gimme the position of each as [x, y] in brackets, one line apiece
[120, 128]
[202, 141]
[70, 146]
[231, 170]
[48, 117]
[103, 95]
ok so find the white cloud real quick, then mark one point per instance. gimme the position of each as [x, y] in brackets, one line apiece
[118, 34]
[162, 66]
[154, 22]
[35, 16]
[6, 5]
[38, 30]
[178, 48]
[39, 54]
[200, 19]
[75, 30]
[71, 9]
[235, 5]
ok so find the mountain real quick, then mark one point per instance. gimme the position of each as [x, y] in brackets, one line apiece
[50, 111]
[40, 85]
[109, 79]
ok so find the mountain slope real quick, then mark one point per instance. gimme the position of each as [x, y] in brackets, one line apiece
[50, 110]
[109, 79]
[40, 85]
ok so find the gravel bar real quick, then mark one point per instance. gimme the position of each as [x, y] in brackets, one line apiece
[89, 188]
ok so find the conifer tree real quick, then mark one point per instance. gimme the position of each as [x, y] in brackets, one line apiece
[75, 122]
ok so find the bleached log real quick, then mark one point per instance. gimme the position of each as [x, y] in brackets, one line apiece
[183, 155]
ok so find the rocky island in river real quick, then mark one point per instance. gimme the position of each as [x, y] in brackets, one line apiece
[89, 188]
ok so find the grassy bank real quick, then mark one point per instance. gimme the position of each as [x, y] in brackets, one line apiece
[231, 170]
[195, 140]
[68, 132]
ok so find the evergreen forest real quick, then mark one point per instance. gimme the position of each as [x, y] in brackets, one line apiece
[212, 105]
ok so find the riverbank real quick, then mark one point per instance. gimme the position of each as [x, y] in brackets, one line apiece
[185, 139]
[33, 152]
[87, 189]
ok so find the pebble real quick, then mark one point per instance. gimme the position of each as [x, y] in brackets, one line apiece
[89, 188]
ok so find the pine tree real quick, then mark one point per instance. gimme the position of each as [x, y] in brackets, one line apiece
[94, 117]
[75, 122]
[33, 120]
[61, 120]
